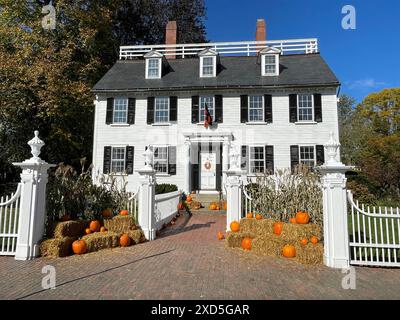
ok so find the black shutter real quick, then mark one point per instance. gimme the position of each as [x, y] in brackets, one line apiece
[110, 109]
[194, 163]
[293, 107]
[269, 159]
[218, 168]
[244, 165]
[150, 110]
[172, 160]
[268, 108]
[320, 155]
[218, 109]
[107, 160]
[131, 110]
[294, 156]
[130, 151]
[173, 108]
[244, 106]
[195, 109]
[317, 107]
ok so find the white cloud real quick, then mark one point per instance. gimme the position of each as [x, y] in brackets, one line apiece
[368, 83]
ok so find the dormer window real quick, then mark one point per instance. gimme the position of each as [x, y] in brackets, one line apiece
[270, 61]
[208, 63]
[153, 65]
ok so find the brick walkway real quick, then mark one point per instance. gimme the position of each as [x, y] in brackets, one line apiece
[187, 262]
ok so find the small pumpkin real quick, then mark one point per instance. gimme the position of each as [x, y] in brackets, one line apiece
[235, 226]
[289, 251]
[212, 206]
[123, 212]
[189, 199]
[314, 240]
[258, 216]
[304, 241]
[277, 228]
[103, 229]
[79, 247]
[249, 215]
[217, 208]
[180, 206]
[302, 217]
[94, 226]
[246, 243]
[292, 220]
[107, 213]
[65, 217]
[220, 235]
[88, 231]
[124, 240]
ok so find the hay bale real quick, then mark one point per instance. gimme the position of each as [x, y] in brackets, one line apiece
[270, 245]
[234, 239]
[136, 236]
[295, 232]
[310, 253]
[258, 227]
[120, 224]
[61, 247]
[101, 240]
[73, 229]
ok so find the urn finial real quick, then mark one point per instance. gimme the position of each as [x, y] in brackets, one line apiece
[148, 158]
[36, 144]
[332, 147]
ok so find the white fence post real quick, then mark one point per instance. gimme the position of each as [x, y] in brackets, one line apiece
[336, 235]
[146, 198]
[233, 189]
[32, 211]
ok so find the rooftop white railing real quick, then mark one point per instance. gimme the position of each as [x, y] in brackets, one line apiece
[294, 46]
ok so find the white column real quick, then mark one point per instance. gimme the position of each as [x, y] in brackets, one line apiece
[32, 211]
[146, 198]
[336, 236]
[187, 165]
[225, 161]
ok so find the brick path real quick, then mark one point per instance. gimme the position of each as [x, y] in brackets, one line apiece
[187, 262]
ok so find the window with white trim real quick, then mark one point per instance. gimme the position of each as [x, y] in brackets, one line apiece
[257, 159]
[270, 64]
[160, 159]
[305, 107]
[120, 111]
[208, 66]
[307, 155]
[161, 110]
[256, 109]
[153, 68]
[209, 101]
[118, 159]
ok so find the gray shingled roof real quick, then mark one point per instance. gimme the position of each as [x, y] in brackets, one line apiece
[235, 72]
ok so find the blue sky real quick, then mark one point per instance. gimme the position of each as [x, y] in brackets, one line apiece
[365, 60]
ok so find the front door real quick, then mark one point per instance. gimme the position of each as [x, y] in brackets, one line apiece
[208, 175]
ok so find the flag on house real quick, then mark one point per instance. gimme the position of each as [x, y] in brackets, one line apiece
[207, 117]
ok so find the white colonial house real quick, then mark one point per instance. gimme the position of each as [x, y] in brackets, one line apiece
[276, 101]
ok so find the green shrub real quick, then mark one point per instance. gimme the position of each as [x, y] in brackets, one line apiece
[165, 188]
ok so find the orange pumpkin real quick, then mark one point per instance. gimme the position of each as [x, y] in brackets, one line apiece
[302, 217]
[246, 243]
[94, 226]
[189, 199]
[217, 208]
[277, 228]
[304, 241]
[292, 220]
[212, 206]
[79, 247]
[124, 240]
[289, 251]
[220, 235]
[259, 216]
[124, 212]
[107, 213]
[88, 231]
[235, 226]
[314, 240]
[180, 206]
[249, 215]
[103, 229]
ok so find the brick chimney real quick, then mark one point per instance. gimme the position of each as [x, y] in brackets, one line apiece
[261, 33]
[170, 36]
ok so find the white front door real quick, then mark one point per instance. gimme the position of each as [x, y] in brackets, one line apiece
[208, 175]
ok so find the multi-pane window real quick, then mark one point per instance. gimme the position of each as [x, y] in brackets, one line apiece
[118, 160]
[160, 159]
[307, 155]
[153, 68]
[270, 64]
[120, 113]
[256, 113]
[257, 159]
[208, 66]
[161, 111]
[305, 107]
[209, 101]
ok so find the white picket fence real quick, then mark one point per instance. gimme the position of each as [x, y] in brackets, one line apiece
[132, 205]
[247, 202]
[374, 234]
[9, 218]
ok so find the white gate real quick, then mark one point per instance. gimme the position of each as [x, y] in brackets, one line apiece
[9, 218]
[374, 235]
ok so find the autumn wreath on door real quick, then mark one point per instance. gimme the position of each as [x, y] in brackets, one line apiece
[207, 165]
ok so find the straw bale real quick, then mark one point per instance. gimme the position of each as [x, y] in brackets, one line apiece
[61, 247]
[120, 224]
[310, 253]
[73, 229]
[101, 240]
[234, 239]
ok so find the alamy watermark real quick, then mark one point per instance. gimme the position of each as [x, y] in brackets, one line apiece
[349, 280]
[349, 21]
[49, 20]
[49, 280]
